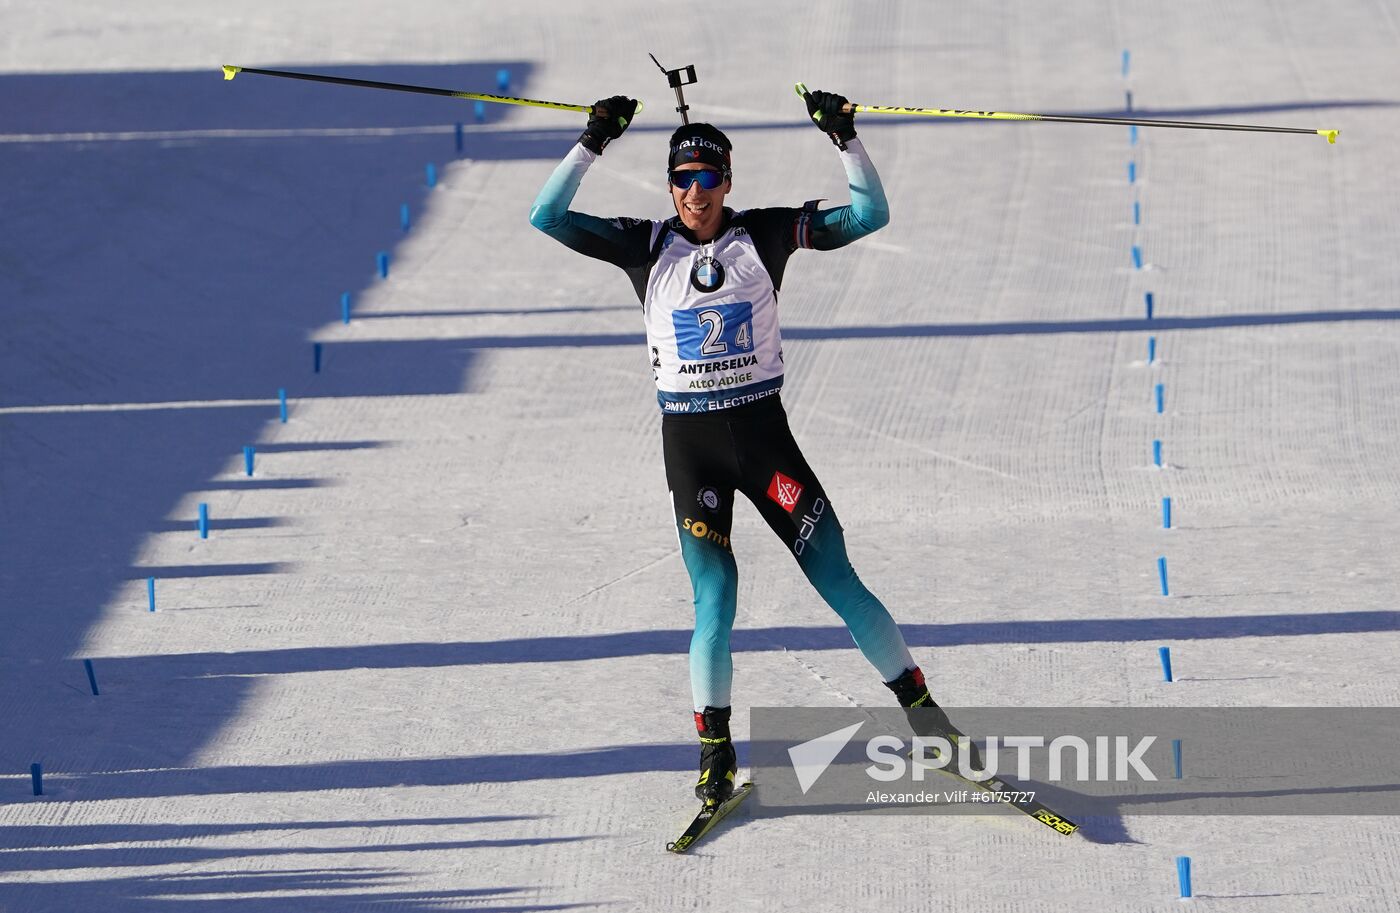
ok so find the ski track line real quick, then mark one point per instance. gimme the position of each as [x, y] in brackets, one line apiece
[632, 573]
[898, 440]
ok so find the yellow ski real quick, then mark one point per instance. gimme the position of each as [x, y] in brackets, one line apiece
[709, 816]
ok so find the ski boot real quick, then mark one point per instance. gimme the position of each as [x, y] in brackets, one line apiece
[927, 719]
[717, 762]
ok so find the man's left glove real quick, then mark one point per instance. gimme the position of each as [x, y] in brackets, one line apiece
[609, 118]
[826, 111]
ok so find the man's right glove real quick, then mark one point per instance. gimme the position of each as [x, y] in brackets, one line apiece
[825, 110]
[609, 118]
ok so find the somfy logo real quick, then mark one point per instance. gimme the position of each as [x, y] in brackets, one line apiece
[811, 759]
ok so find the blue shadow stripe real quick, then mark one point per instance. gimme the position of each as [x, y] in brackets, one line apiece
[750, 640]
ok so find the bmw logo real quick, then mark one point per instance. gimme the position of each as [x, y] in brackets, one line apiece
[706, 275]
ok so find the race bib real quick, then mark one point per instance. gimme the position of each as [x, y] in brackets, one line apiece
[714, 331]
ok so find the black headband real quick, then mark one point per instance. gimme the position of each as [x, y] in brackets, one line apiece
[700, 143]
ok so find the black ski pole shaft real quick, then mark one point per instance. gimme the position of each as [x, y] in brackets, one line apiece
[231, 71]
[1329, 135]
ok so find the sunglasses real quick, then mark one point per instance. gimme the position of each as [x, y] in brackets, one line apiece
[709, 180]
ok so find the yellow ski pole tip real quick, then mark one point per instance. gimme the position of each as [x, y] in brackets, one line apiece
[230, 72]
[1330, 134]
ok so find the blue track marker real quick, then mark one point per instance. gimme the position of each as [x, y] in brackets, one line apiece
[1132, 135]
[479, 112]
[1166, 513]
[404, 222]
[1162, 575]
[1176, 756]
[203, 521]
[316, 357]
[248, 460]
[92, 677]
[36, 773]
[1152, 350]
[1137, 213]
[459, 138]
[503, 80]
[430, 174]
[1149, 305]
[1165, 654]
[151, 593]
[1159, 392]
[382, 261]
[282, 403]
[344, 307]
[1125, 63]
[1132, 172]
[1157, 454]
[1183, 875]
[1137, 257]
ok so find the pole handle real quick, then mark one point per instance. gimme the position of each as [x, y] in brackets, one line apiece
[847, 108]
[593, 109]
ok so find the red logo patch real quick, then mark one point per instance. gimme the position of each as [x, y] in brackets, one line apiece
[785, 491]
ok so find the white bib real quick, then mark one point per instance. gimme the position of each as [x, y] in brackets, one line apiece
[712, 323]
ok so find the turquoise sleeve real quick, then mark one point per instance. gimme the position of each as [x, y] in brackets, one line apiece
[622, 242]
[869, 211]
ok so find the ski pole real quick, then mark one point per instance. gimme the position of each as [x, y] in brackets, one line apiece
[230, 72]
[1069, 119]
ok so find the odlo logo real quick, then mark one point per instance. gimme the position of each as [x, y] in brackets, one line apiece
[809, 525]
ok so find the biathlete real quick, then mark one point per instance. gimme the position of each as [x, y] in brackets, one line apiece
[708, 281]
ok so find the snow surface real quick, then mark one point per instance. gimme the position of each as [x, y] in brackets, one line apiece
[432, 654]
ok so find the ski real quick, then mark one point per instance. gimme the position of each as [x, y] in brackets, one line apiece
[705, 821]
[1024, 801]
[1020, 799]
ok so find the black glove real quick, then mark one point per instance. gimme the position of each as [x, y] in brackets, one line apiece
[825, 109]
[609, 118]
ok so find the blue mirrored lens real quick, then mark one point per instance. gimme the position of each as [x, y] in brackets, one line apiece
[709, 180]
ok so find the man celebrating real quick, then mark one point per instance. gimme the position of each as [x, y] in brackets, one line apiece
[708, 281]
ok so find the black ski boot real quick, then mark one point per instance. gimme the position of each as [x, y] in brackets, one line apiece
[927, 719]
[717, 761]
